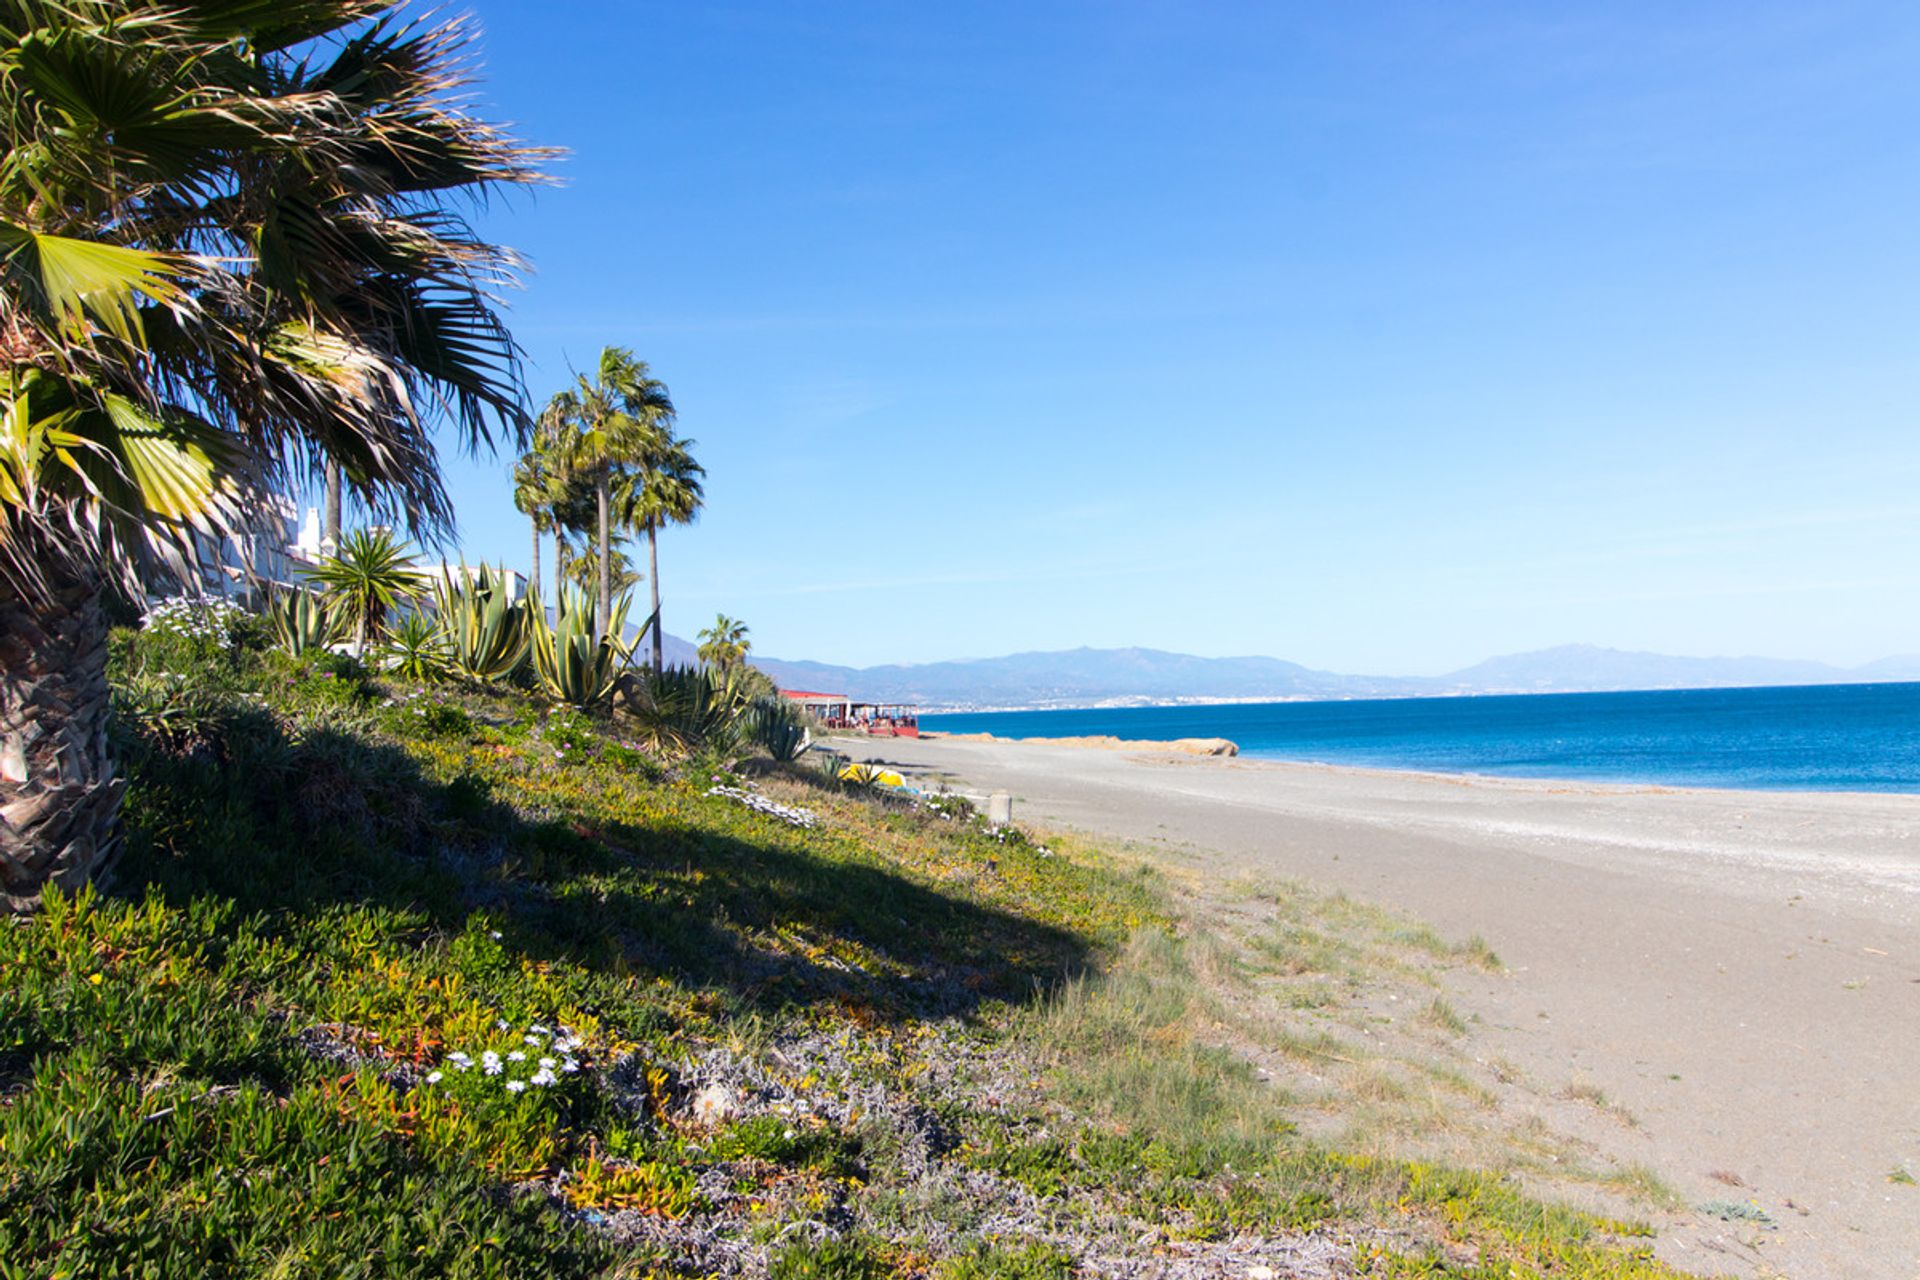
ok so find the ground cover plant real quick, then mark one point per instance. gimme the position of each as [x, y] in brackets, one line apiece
[406, 980]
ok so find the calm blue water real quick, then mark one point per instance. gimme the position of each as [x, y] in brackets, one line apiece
[1822, 738]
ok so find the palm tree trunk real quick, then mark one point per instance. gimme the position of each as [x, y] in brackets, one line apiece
[606, 554]
[653, 577]
[330, 516]
[533, 579]
[59, 799]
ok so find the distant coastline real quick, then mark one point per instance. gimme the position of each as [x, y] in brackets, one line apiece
[1086, 679]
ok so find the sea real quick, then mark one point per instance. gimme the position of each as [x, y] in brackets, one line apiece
[1855, 737]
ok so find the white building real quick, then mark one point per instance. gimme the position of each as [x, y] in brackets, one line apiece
[267, 550]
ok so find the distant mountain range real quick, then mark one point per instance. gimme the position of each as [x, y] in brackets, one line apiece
[1108, 677]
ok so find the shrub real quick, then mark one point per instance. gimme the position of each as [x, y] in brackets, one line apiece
[415, 649]
[687, 709]
[205, 618]
[172, 713]
[848, 1258]
[999, 1262]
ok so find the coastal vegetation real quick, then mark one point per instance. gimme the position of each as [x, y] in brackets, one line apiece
[234, 250]
[446, 938]
[446, 979]
[725, 643]
[604, 458]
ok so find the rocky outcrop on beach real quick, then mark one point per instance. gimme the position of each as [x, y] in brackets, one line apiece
[1206, 746]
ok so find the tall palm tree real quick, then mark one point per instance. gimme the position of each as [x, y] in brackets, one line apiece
[605, 427]
[584, 570]
[724, 644]
[664, 488]
[529, 489]
[330, 509]
[543, 491]
[231, 251]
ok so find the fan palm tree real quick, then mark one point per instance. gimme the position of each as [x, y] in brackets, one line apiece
[584, 570]
[529, 499]
[664, 488]
[231, 251]
[604, 429]
[724, 645]
[542, 487]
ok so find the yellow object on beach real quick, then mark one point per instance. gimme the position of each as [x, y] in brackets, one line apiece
[872, 777]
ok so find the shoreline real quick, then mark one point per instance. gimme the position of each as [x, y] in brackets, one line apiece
[1733, 967]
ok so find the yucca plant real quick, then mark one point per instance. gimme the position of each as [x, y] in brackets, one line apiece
[416, 648]
[302, 622]
[574, 660]
[372, 576]
[687, 709]
[487, 633]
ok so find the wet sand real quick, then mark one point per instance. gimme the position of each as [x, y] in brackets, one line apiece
[1738, 970]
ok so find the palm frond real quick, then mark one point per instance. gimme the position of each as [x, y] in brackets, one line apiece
[66, 282]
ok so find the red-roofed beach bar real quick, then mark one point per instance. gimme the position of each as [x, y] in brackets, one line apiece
[877, 719]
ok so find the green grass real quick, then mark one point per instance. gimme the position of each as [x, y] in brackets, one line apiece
[247, 1058]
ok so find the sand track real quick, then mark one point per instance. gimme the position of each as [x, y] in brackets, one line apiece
[1739, 970]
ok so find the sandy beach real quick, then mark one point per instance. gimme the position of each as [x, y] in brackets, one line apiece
[1739, 971]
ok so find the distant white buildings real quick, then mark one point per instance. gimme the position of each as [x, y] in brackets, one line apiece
[275, 548]
[268, 550]
[516, 581]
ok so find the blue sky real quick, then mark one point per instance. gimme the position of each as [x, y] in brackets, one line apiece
[1382, 338]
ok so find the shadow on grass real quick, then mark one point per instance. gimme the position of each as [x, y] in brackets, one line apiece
[295, 828]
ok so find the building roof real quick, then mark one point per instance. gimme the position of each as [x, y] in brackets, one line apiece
[813, 693]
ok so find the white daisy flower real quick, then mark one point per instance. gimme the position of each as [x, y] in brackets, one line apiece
[516, 1086]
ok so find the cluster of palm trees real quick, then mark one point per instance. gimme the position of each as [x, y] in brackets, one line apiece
[604, 464]
[233, 250]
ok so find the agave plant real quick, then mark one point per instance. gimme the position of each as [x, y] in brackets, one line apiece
[302, 622]
[779, 726]
[684, 709]
[487, 634]
[577, 662]
[415, 648]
